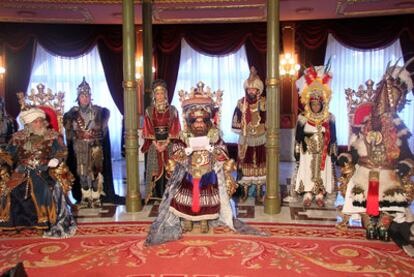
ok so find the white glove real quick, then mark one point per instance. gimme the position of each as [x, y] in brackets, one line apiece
[210, 148]
[188, 151]
[53, 163]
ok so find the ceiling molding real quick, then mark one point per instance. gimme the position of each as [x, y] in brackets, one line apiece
[158, 18]
[120, 1]
[212, 20]
[343, 5]
[85, 15]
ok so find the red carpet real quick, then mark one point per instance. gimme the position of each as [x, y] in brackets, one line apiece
[116, 249]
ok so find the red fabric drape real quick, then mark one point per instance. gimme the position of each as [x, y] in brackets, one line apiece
[19, 66]
[112, 62]
[209, 39]
[63, 40]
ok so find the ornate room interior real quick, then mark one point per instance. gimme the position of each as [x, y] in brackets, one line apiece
[71, 28]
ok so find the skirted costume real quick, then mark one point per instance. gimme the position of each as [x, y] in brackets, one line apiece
[33, 195]
[249, 121]
[87, 137]
[200, 183]
[161, 128]
[315, 139]
[378, 167]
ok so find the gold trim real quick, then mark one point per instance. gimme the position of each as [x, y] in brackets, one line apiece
[189, 8]
[273, 82]
[135, 2]
[213, 20]
[158, 10]
[128, 84]
[87, 16]
[343, 4]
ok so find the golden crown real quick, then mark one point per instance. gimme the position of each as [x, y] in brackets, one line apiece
[201, 96]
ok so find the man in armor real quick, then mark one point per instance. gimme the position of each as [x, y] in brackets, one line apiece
[7, 124]
[380, 163]
[161, 128]
[249, 121]
[200, 183]
[33, 196]
[87, 137]
[315, 139]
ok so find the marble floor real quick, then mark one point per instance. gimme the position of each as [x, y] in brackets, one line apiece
[250, 211]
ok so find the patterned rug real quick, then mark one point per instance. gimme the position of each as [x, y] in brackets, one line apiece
[117, 249]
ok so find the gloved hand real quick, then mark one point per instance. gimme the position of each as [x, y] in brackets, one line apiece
[297, 156]
[402, 169]
[53, 163]
[342, 160]
[210, 148]
[188, 151]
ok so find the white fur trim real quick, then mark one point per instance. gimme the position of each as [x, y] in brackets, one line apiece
[360, 197]
[408, 162]
[404, 77]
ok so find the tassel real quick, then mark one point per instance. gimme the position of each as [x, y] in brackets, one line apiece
[373, 191]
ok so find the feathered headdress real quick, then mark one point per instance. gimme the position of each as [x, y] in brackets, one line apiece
[314, 86]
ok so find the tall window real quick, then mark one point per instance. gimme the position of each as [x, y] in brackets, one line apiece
[65, 74]
[226, 73]
[351, 68]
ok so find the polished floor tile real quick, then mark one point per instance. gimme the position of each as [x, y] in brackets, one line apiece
[292, 212]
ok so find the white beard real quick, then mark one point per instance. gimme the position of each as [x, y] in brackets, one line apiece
[39, 132]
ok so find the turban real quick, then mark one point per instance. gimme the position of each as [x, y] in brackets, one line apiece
[28, 116]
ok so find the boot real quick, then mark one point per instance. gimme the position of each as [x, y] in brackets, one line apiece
[319, 200]
[245, 193]
[204, 226]
[343, 225]
[86, 201]
[384, 223]
[259, 194]
[370, 228]
[307, 199]
[96, 199]
[188, 225]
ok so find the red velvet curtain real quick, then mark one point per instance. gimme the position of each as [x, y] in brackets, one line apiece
[18, 67]
[360, 33]
[63, 40]
[209, 39]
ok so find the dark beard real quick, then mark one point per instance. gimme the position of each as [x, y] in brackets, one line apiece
[251, 97]
[84, 108]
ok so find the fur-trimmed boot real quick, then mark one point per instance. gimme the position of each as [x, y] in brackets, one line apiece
[188, 225]
[319, 200]
[204, 226]
[307, 199]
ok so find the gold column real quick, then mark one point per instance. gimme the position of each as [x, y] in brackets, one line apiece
[147, 50]
[133, 199]
[272, 200]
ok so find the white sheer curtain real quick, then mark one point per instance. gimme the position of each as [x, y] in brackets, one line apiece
[65, 74]
[352, 67]
[225, 72]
